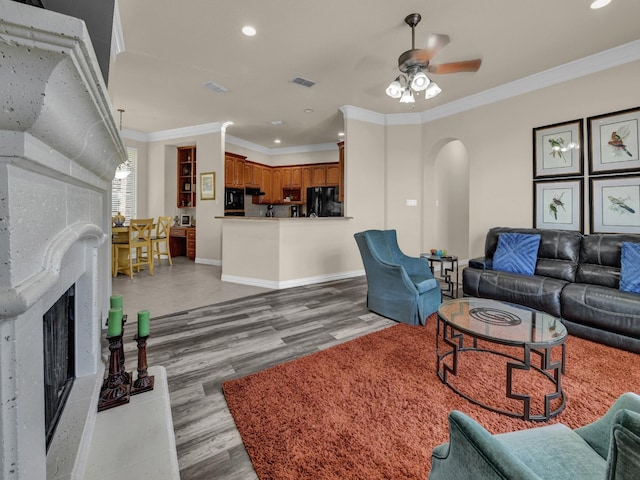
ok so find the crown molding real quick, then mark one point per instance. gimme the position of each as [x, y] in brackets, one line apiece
[613, 57]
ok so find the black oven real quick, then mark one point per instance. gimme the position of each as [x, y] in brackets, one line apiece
[234, 198]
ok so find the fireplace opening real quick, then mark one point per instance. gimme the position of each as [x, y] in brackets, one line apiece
[59, 358]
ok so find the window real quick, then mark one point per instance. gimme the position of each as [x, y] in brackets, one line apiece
[123, 187]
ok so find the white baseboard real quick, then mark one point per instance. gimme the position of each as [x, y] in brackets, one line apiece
[208, 261]
[298, 282]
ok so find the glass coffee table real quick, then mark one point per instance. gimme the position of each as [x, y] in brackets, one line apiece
[476, 338]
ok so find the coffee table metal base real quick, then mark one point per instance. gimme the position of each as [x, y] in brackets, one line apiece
[552, 370]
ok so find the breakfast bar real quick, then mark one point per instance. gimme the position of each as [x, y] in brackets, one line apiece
[285, 252]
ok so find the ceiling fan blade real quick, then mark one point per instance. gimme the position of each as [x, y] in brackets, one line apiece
[456, 67]
[434, 44]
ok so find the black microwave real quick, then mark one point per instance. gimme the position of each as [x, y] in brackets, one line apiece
[234, 198]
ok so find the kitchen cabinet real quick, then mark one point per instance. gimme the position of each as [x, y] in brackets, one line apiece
[291, 177]
[318, 175]
[306, 181]
[187, 177]
[333, 175]
[252, 174]
[234, 170]
[276, 186]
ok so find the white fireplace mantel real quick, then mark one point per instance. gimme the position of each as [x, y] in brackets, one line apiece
[59, 148]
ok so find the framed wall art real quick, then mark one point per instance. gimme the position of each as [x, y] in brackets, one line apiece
[208, 186]
[615, 204]
[613, 142]
[558, 204]
[557, 150]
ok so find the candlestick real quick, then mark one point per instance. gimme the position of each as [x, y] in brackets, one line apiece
[144, 382]
[114, 326]
[115, 391]
[116, 301]
[143, 323]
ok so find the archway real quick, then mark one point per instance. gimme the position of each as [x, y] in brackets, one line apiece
[452, 199]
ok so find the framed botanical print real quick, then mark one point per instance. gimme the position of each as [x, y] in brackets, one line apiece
[615, 204]
[614, 142]
[557, 150]
[558, 204]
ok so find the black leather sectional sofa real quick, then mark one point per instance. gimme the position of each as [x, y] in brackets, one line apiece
[576, 278]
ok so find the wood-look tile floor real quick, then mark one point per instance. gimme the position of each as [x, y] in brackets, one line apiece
[203, 347]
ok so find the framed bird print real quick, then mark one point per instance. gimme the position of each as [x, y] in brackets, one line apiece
[614, 142]
[558, 204]
[557, 150]
[615, 204]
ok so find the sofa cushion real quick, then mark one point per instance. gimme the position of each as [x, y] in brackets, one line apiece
[517, 253]
[623, 462]
[600, 255]
[630, 267]
[557, 256]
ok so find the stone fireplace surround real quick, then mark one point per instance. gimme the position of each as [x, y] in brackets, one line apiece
[59, 147]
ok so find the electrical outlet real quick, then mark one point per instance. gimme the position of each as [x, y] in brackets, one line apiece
[412, 203]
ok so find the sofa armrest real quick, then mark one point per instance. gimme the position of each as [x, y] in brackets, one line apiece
[472, 452]
[598, 433]
[483, 263]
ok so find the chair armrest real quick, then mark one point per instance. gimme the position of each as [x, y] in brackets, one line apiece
[482, 263]
[472, 452]
[598, 433]
[416, 266]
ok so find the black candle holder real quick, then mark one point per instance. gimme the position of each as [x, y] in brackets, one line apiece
[144, 382]
[116, 388]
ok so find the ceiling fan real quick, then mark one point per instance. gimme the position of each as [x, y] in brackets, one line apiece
[415, 62]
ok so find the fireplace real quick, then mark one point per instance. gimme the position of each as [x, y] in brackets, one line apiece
[59, 148]
[58, 327]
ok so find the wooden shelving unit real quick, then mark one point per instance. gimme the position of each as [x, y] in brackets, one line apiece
[187, 177]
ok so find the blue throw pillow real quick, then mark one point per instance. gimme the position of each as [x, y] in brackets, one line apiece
[630, 267]
[517, 253]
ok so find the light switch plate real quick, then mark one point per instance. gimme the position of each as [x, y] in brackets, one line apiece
[412, 203]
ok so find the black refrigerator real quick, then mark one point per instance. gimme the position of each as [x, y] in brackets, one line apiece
[323, 202]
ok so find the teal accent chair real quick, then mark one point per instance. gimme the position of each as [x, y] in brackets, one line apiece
[398, 286]
[608, 448]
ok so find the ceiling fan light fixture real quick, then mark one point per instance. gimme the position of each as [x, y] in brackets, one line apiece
[407, 96]
[432, 90]
[420, 82]
[394, 90]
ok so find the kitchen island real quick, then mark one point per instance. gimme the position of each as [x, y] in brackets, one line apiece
[275, 252]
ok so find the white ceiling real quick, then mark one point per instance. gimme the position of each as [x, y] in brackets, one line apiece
[350, 48]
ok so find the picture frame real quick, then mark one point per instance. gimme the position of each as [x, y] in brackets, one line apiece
[185, 220]
[208, 186]
[614, 142]
[557, 150]
[615, 204]
[558, 204]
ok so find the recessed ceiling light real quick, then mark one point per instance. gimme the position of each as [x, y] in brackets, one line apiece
[277, 140]
[308, 110]
[249, 31]
[277, 123]
[599, 4]
[341, 134]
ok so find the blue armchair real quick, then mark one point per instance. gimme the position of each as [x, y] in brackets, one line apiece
[398, 286]
[608, 448]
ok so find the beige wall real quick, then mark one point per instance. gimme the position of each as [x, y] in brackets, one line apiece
[498, 138]
[386, 165]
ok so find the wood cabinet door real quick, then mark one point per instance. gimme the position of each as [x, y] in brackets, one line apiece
[229, 172]
[250, 179]
[276, 185]
[333, 174]
[265, 185]
[306, 182]
[286, 175]
[295, 177]
[318, 175]
[239, 171]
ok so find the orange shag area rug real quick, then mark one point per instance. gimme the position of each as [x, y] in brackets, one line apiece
[374, 408]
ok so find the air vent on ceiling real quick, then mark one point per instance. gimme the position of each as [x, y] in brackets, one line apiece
[305, 82]
[215, 87]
